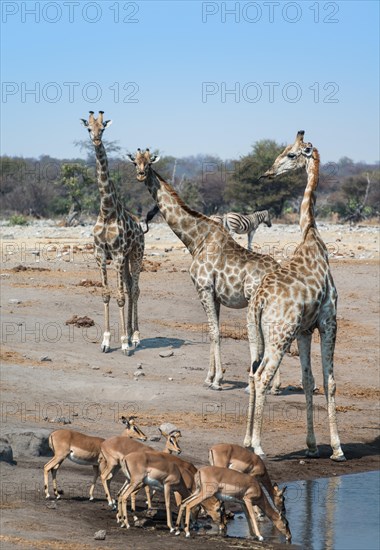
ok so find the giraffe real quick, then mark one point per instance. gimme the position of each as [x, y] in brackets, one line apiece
[118, 236]
[222, 271]
[291, 303]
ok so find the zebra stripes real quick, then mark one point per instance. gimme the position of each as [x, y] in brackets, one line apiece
[244, 223]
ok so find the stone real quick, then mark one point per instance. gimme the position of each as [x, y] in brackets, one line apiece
[139, 373]
[100, 535]
[14, 301]
[6, 452]
[61, 420]
[51, 505]
[45, 358]
[29, 442]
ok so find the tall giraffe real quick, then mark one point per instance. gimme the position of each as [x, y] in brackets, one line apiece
[119, 237]
[222, 271]
[291, 303]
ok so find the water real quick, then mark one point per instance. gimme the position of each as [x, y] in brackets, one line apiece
[338, 513]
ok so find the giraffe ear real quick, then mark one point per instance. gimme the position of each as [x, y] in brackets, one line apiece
[107, 123]
[84, 122]
[130, 158]
[308, 150]
[154, 159]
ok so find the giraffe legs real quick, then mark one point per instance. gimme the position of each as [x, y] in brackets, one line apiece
[328, 334]
[212, 309]
[304, 347]
[125, 285]
[259, 386]
[101, 260]
[136, 264]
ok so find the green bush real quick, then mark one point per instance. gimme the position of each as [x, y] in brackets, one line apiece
[18, 219]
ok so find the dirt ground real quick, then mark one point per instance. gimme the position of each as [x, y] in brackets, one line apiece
[51, 370]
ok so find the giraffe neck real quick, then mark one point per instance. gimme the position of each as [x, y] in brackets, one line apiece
[182, 220]
[108, 195]
[307, 218]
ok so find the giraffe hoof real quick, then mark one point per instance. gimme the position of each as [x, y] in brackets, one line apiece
[312, 454]
[217, 387]
[338, 458]
[105, 349]
[275, 391]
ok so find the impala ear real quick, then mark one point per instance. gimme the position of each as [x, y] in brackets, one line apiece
[130, 158]
[125, 421]
[176, 433]
[84, 122]
[163, 433]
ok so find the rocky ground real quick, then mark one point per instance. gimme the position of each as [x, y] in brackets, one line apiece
[54, 372]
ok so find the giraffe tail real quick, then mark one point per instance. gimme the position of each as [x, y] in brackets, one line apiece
[256, 336]
[150, 215]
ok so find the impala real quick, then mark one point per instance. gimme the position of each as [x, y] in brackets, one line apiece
[82, 449]
[227, 484]
[226, 455]
[161, 471]
[114, 449]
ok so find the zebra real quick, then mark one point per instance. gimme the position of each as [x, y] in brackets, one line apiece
[244, 223]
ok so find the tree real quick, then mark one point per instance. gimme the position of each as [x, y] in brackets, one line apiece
[246, 193]
[80, 188]
[357, 192]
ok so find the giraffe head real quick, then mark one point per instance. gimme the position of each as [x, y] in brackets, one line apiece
[96, 126]
[142, 161]
[293, 157]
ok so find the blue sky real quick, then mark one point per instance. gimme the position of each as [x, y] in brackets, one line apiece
[191, 77]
